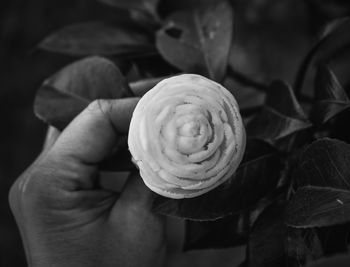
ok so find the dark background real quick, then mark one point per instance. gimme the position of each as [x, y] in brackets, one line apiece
[22, 69]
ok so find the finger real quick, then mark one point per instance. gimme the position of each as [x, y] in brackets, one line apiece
[51, 136]
[136, 193]
[134, 208]
[91, 137]
[72, 160]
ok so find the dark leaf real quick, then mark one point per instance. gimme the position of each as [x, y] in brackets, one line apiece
[57, 108]
[302, 246]
[313, 206]
[334, 38]
[140, 87]
[336, 261]
[97, 38]
[149, 6]
[325, 163]
[281, 115]
[230, 231]
[330, 96]
[255, 178]
[147, 21]
[263, 48]
[266, 246]
[222, 233]
[332, 26]
[167, 7]
[246, 97]
[198, 41]
[64, 95]
[323, 175]
[243, 264]
[335, 238]
[155, 67]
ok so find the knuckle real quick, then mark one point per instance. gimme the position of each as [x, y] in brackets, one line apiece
[99, 106]
[13, 197]
[38, 188]
[20, 192]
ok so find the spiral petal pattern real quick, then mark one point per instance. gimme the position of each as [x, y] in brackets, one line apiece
[186, 136]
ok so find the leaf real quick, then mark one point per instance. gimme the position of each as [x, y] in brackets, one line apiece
[170, 6]
[57, 108]
[325, 163]
[281, 115]
[332, 26]
[222, 233]
[140, 87]
[334, 239]
[334, 38]
[147, 21]
[247, 97]
[302, 246]
[262, 48]
[313, 206]
[64, 95]
[149, 6]
[266, 246]
[322, 200]
[330, 96]
[198, 41]
[336, 261]
[257, 176]
[97, 38]
[243, 264]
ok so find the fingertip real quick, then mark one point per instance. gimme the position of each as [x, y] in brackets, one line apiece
[120, 113]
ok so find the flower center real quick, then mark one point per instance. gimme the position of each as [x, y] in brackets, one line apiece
[191, 133]
[189, 129]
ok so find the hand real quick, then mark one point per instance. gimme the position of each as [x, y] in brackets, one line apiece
[66, 220]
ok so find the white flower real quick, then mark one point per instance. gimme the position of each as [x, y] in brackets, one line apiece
[186, 136]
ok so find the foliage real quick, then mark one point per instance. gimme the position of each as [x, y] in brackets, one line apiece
[289, 200]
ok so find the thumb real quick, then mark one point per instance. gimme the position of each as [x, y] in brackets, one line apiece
[88, 140]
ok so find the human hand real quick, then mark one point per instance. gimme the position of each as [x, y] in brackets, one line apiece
[65, 219]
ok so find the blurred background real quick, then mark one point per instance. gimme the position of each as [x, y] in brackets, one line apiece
[22, 69]
[272, 37]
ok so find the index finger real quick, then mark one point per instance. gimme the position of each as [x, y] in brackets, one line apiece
[91, 136]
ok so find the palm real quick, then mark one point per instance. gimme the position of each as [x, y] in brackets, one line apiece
[65, 220]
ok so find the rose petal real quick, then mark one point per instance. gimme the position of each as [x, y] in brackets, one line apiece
[186, 136]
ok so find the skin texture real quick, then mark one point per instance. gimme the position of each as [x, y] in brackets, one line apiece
[66, 219]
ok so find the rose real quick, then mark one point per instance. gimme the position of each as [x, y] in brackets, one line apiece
[186, 136]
